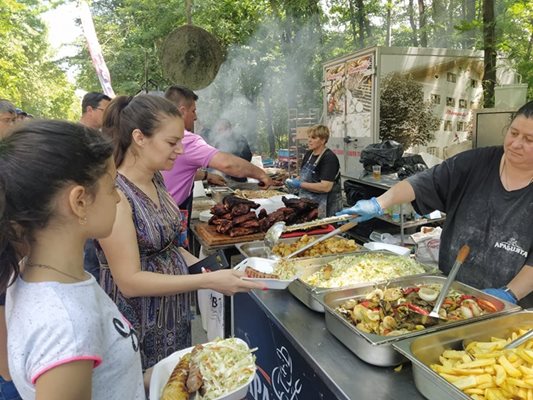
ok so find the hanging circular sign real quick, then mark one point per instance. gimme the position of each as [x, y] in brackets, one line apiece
[191, 56]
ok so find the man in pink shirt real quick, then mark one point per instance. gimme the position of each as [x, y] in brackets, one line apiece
[198, 154]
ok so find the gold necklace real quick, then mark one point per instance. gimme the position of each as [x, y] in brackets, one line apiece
[504, 178]
[78, 279]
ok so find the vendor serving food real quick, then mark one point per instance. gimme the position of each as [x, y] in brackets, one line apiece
[319, 178]
[487, 195]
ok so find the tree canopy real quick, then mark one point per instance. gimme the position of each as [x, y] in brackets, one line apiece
[28, 77]
[274, 49]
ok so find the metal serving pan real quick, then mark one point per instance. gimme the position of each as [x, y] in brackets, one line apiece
[425, 350]
[258, 248]
[307, 294]
[378, 350]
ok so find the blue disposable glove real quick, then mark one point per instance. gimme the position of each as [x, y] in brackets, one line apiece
[293, 183]
[502, 294]
[365, 209]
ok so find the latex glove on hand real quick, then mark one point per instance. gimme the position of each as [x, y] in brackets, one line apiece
[502, 294]
[365, 209]
[293, 183]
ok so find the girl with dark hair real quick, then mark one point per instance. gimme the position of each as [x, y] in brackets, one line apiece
[61, 324]
[143, 268]
[487, 195]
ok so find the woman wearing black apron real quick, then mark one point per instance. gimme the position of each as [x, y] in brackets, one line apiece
[319, 178]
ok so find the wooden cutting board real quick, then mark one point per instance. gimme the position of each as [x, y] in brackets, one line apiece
[211, 237]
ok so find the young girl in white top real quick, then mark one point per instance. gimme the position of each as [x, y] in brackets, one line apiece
[66, 338]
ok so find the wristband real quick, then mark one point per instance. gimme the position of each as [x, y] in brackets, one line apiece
[205, 176]
[511, 293]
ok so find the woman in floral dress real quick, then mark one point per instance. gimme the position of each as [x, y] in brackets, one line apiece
[143, 268]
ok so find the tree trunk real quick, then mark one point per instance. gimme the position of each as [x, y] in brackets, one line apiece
[450, 21]
[388, 23]
[439, 9]
[352, 21]
[361, 22]
[529, 46]
[414, 34]
[422, 24]
[469, 16]
[489, 46]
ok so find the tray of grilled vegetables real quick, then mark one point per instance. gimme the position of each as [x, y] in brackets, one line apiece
[368, 320]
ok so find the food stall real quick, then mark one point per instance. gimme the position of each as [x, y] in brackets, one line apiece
[308, 350]
[308, 354]
[298, 358]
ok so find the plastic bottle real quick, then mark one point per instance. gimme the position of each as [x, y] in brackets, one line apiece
[396, 213]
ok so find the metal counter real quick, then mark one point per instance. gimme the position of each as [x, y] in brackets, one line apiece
[299, 359]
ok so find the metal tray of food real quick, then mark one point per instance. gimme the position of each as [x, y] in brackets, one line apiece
[378, 350]
[425, 350]
[259, 249]
[307, 293]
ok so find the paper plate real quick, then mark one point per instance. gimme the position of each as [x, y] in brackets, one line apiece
[164, 368]
[264, 265]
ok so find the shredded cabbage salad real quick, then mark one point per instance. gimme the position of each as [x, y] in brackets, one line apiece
[225, 365]
[363, 268]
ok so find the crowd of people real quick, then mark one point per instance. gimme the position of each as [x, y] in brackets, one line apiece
[94, 265]
[94, 199]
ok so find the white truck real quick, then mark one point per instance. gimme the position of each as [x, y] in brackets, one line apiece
[451, 80]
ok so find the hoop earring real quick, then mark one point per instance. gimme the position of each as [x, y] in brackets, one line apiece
[82, 220]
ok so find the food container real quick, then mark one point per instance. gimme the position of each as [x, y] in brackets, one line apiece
[425, 350]
[309, 294]
[259, 249]
[378, 350]
[266, 266]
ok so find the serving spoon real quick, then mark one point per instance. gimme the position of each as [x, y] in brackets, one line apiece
[461, 256]
[434, 313]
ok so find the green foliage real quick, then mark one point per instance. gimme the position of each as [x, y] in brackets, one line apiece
[27, 76]
[516, 37]
[404, 116]
[275, 49]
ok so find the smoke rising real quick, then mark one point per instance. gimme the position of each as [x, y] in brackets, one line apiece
[273, 70]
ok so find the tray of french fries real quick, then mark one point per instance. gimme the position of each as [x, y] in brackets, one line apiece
[469, 362]
[217, 370]
[322, 274]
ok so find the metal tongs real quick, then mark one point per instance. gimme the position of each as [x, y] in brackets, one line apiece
[275, 231]
[278, 231]
[519, 340]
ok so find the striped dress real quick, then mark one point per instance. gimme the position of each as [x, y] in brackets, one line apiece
[163, 324]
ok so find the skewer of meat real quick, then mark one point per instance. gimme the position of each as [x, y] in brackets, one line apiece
[176, 389]
[253, 273]
[195, 378]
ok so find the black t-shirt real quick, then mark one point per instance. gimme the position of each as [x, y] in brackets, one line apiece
[328, 166]
[495, 223]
